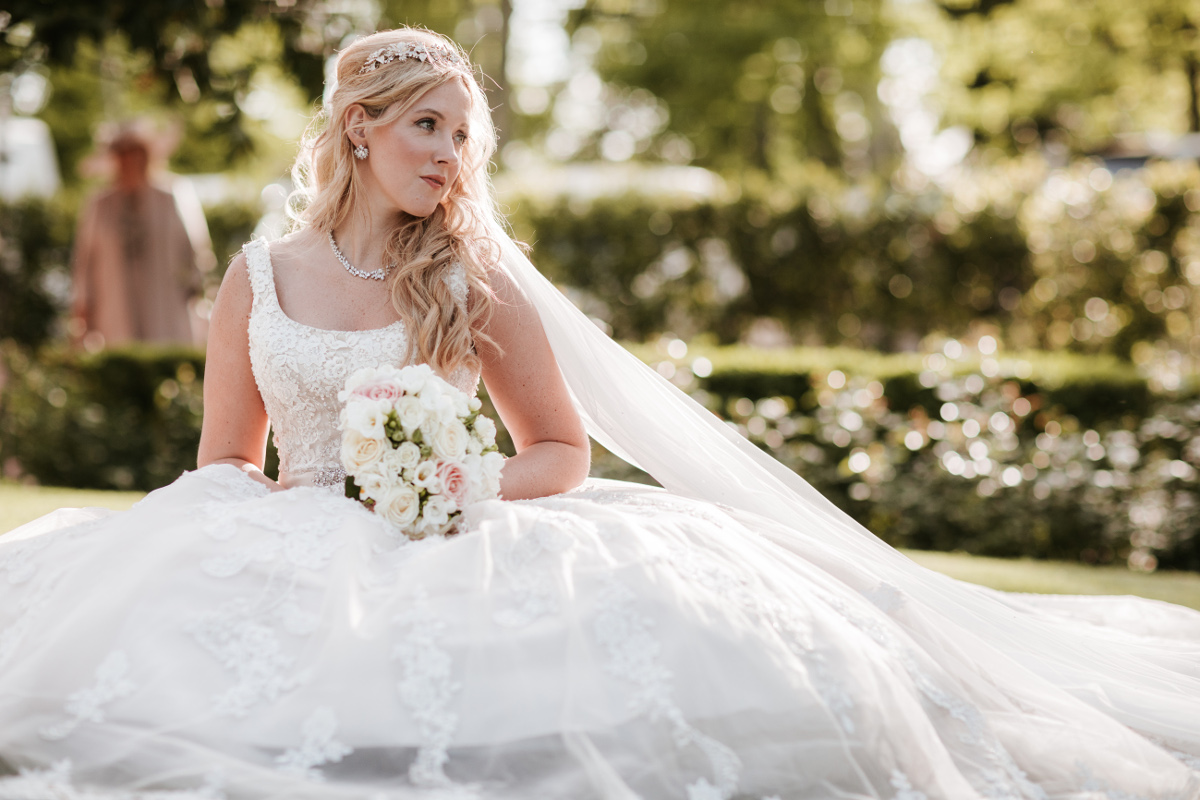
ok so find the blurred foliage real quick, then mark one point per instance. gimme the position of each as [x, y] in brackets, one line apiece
[1064, 74]
[230, 226]
[752, 85]
[1023, 454]
[122, 419]
[241, 75]
[1079, 258]
[1043, 455]
[35, 274]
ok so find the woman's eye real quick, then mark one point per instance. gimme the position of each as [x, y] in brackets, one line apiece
[461, 138]
[426, 123]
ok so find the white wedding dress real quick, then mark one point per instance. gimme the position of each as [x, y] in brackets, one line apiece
[617, 641]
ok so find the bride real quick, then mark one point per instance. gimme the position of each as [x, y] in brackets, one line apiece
[730, 636]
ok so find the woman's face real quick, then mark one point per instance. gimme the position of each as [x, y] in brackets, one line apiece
[415, 159]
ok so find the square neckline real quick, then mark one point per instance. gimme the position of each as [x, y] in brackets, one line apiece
[270, 284]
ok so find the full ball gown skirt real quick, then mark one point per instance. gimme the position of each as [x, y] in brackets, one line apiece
[617, 641]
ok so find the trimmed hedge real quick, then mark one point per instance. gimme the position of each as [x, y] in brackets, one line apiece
[1030, 454]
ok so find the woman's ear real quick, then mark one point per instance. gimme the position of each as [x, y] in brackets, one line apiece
[356, 115]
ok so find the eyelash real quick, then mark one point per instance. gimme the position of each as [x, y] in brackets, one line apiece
[461, 137]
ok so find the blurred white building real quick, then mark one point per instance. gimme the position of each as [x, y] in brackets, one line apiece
[28, 166]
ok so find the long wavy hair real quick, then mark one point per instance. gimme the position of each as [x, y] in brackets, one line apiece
[442, 332]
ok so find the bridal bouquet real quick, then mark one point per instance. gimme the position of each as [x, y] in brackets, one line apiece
[416, 450]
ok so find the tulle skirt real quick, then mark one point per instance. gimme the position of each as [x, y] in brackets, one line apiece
[618, 641]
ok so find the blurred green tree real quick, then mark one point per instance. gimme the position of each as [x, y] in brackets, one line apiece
[226, 68]
[754, 85]
[1069, 74]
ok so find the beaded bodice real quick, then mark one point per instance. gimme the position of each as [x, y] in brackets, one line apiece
[300, 369]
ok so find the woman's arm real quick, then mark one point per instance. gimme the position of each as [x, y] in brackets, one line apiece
[527, 388]
[235, 422]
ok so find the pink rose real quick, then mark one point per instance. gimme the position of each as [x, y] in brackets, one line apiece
[454, 481]
[384, 390]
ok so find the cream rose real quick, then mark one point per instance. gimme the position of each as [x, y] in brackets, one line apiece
[408, 455]
[399, 505]
[411, 413]
[360, 452]
[450, 440]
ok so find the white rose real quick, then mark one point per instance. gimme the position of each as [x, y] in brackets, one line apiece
[372, 485]
[450, 440]
[436, 512]
[392, 462]
[486, 430]
[461, 407]
[360, 452]
[474, 446]
[367, 417]
[473, 465]
[399, 505]
[413, 377]
[431, 395]
[492, 464]
[409, 455]
[446, 410]
[474, 404]
[411, 413]
[427, 478]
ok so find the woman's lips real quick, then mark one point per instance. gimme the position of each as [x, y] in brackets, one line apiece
[435, 183]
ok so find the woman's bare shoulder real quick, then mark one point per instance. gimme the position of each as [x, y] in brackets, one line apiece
[298, 247]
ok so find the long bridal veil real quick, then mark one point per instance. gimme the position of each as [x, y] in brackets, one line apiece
[1135, 661]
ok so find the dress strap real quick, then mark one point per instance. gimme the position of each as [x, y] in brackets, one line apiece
[262, 278]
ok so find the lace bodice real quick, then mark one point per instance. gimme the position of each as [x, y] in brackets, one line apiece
[299, 370]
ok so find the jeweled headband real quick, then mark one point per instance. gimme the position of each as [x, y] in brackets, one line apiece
[428, 53]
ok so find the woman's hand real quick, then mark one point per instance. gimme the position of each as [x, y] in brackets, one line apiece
[527, 388]
[235, 421]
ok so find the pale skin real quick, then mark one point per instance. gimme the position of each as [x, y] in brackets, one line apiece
[407, 159]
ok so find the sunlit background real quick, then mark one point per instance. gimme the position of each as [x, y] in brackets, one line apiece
[940, 257]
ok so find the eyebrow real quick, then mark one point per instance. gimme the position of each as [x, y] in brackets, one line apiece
[433, 112]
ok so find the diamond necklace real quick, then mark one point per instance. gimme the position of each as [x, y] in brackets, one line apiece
[376, 275]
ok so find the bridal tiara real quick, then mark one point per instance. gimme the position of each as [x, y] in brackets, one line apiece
[427, 53]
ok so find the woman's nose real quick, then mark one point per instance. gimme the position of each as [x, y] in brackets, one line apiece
[447, 152]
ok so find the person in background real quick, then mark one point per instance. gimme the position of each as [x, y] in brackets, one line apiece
[135, 271]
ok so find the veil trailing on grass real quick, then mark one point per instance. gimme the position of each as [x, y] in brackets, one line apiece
[1134, 660]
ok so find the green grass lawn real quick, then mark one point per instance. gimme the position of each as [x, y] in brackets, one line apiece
[20, 504]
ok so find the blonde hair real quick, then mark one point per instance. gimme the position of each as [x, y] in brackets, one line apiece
[441, 332]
